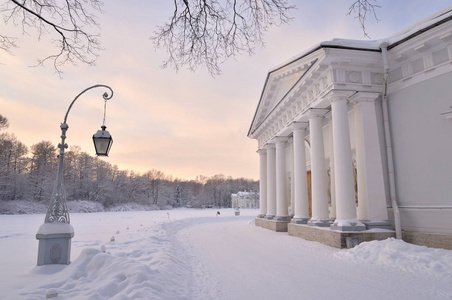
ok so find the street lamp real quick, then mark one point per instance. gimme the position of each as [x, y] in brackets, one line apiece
[56, 233]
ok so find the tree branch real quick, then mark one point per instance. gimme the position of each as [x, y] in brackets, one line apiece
[67, 19]
[361, 8]
[205, 33]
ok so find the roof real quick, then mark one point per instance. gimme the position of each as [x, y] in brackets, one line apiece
[374, 45]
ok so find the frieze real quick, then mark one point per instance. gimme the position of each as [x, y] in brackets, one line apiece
[426, 60]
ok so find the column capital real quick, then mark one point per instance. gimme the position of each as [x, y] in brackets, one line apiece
[338, 95]
[262, 151]
[280, 139]
[364, 97]
[316, 112]
[299, 125]
[269, 146]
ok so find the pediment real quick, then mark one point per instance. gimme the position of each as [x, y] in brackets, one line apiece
[279, 83]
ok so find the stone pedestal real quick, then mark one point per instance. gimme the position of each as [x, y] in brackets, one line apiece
[278, 226]
[337, 239]
[54, 243]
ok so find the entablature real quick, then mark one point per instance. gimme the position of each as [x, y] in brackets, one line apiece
[356, 75]
[420, 58]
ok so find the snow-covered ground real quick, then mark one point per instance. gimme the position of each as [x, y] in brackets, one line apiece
[194, 254]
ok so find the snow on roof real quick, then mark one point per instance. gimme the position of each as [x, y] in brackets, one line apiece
[418, 27]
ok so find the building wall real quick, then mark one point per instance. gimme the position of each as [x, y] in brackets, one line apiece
[245, 200]
[422, 147]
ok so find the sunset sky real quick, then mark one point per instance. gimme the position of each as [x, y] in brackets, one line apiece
[184, 124]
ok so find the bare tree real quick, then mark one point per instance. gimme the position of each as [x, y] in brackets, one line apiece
[43, 166]
[206, 33]
[200, 33]
[3, 122]
[7, 43]
[67, 19]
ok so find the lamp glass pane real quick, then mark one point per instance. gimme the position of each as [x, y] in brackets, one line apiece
[102, 145]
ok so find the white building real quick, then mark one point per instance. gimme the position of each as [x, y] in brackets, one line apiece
[355, 135]
[245, 200]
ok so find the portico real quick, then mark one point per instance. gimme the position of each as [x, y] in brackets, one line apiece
[324, 112]
[328, 167]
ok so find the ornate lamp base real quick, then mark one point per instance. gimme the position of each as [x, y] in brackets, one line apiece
[54, 243]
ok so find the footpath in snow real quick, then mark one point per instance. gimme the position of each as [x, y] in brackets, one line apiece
[194, 254]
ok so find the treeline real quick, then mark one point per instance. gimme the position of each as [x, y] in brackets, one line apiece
[30, 173]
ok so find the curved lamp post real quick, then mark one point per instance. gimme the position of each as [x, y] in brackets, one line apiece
[55, 234]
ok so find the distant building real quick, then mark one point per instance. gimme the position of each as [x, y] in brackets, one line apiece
[357, 135]
[245, 200]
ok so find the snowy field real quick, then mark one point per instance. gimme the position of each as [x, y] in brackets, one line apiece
[193, 254]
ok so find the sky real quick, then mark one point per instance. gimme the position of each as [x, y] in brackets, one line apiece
[182, 123]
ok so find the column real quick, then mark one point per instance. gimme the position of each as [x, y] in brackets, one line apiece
[346, 219]
[319, 180]
[290, 184]
[332, 179]
[282, 213]
[300, 196]
[262, 183]
[372, 209]
[271, 181]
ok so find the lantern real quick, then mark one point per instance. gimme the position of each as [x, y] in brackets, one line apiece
[102, 142]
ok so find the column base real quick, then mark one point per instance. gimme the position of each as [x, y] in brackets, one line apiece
[348, 225]
[269, 217]
[377, 224]
[283, 218]
[261, 216]
[299, 221]
[320, 222]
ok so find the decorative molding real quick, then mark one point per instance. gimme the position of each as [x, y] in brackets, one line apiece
[447, 114]
[354, 77]
[422, 47]
[446, 37]
[379, 78]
